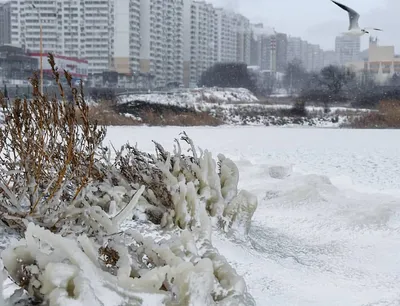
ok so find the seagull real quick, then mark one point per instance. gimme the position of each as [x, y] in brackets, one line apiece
[354, 28]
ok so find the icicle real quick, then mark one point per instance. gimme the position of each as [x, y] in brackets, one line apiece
[127, 211]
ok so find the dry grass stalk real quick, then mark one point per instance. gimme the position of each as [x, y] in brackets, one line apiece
[47, 151]
[105, 114]
[388, 116]
[171, 118]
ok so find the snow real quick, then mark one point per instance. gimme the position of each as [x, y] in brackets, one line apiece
[326, 228]
[189, 97]
[223, 97]
[238, 106]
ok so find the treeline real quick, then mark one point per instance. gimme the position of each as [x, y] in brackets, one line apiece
[235, 75]
[337, 84]
[332, 85]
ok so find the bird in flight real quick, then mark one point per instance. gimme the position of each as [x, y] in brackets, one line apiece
[354, 28]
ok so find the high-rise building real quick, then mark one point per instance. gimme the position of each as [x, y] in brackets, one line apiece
[121, 59]
[294, 49]
[260, 50]
[203, 38]
[243, 39]
[127, 36]
[310, 55]
[5, 23]
[315, 58]
[226, 46]
[281, 52]
[79, 29]
[347, 49]
[216, 35]
[26, 20]
[305, 50]
[161, 43]
[188, 36]
[97, 32]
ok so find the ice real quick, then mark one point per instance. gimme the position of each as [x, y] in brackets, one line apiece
[326, 229]
[324, 233]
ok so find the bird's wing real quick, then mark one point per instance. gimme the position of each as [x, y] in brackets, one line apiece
[353, 15]
[374, 29]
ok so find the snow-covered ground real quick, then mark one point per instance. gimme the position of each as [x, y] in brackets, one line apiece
[238, 106]
[196, 95]
[224, 97]
[326, 231]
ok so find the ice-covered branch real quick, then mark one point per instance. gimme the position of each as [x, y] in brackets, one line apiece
[186, 196]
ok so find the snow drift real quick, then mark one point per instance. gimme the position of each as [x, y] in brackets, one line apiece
[195, 96]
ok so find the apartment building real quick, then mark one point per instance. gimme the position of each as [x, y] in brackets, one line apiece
[127, 36]
[294, 48]
[5, 23]
[97, 32]
[260, 48]
[315, 58]
[161, 46]
[268, 49]
[73, 28]
[25, 25]
[298, 49]
[159, 41]
[226, 46]
[216, 35]
[187, 43]
[281, 51]
[203, 38]
[243, 27]
[347, 49]
[305, 49]
[310, 55]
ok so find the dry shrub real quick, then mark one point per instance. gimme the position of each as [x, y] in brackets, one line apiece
[391, 110]
[370, 120]
[388, 116]
[190, 118]
[47, 152]
[106, 115]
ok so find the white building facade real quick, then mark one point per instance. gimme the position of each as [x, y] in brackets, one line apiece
[294, 48]
[5, 23]
[127, 36]
[73, 28]
[310, 55]
[134, 35]
[215, 35]
[315, 58]
[260, 50]
[161, 41]
[226, 46]
[244, 32]
[203, 38]
[98, 33]
[347, 49]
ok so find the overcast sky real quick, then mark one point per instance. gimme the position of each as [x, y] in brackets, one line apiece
[319, 21]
